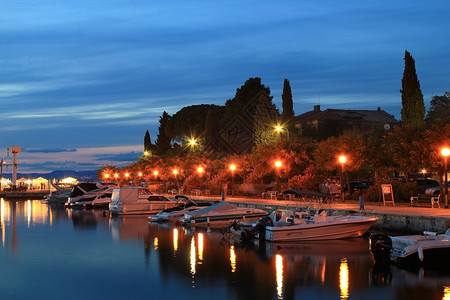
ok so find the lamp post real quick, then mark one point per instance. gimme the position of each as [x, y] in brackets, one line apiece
[116, 176]
[279, 128]
[278, 165]
[175, 173]
[232, 168]
[342, 160]
[445, 153]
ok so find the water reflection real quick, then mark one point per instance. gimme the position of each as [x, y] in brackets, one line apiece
[232, 259]
[446, 293]
[204, 262]
[343, 279]
[279, 276]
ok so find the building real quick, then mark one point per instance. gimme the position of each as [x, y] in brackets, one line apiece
[332, 122]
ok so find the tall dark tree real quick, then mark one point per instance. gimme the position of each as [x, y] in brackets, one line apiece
[162, 144]
[147, 142]
[246, 93]
[439, 109]
[287, 116]
[413, 107]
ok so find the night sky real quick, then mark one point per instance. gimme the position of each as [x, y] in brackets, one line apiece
[81, 81]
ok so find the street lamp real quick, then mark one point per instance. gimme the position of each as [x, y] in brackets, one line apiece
[232, 168]
[342, 160]
[116, 176]
[200, 170]
[445, 153]
[278, 165]
[278, 128]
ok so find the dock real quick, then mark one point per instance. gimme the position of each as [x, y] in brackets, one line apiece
[24, 195]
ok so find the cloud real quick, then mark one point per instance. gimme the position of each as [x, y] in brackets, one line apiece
[119, 157]
[48, 150]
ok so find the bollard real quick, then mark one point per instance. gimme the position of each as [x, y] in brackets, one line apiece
[223, 196]
[361, 203]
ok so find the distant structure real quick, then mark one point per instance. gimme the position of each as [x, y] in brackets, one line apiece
[332, 122]
[238, 135]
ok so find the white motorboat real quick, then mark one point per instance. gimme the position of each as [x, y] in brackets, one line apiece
[301, 226]
[87, 192]
[137, 200]
[57, 194]
[429, 249]
[221, 213]
[174, 213]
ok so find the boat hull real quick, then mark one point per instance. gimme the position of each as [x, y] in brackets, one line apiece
[345, 227]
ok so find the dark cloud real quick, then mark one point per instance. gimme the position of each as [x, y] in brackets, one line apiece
[120, 157]
[48, 150]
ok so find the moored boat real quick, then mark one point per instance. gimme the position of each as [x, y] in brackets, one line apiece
[221, 213]
[174, 213]
[301, 226]
[137, 200]
[430, 249]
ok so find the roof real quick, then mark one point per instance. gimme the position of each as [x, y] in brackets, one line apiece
[375, 116]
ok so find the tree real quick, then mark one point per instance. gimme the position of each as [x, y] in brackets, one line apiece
[251, 88]
[287, 116]
[147, 142]
[162, 144]
[439, 109]
[413, 107]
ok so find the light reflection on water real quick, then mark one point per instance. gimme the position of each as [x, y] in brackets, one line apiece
[48, 251]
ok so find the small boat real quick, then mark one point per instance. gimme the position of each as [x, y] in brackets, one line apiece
[221, 213]
[132, 200]
[57, 194]
[302, 226]
[87, 192]
[430, 249]
[174, 213]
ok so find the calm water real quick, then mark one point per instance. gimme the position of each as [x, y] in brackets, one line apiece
[52, 253]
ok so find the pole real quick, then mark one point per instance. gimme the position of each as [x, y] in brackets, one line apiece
[446, 183]
[342, 183]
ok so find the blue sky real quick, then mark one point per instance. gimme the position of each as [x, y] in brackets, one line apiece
[81, 81]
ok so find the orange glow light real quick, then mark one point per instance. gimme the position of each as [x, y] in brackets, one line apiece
[175, 172]
[342, 159]
[232, 167]
[155, 173]
[200, 170]
[278, 164]
[445, 152]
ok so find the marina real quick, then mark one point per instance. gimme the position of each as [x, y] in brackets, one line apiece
[71, 253]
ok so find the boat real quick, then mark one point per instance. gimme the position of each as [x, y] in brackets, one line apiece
[221, 213]
[174, 213]
[304, 226]
[430, 249]
[132, 200]
[87, 192]
[102, 199]
[57, 194]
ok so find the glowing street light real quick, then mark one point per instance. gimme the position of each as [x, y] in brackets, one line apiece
[200, 170]
[445, 153]
[175, 172]
[155, 173]
[278, 164]
[343, 160]
[116, 176]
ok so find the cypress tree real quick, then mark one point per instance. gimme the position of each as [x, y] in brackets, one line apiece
[147, 142]
[413, 107]
[287, 116]
[162, 144]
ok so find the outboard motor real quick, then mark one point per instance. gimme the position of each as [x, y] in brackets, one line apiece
[260, 227]
[380, 245]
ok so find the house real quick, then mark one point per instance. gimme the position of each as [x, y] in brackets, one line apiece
[332, 122]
